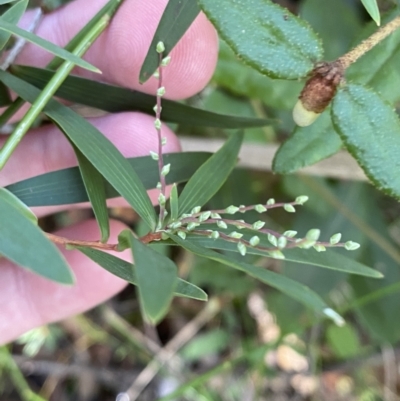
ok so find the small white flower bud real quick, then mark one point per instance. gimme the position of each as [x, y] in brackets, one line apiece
[231, 209]
[214, 235]
[282, 242]
[165, 61]
[160, 48]
[161, 200]
[153, 155]
[235, 235]
[271, 202]
[289, 208]
[156, 74]
[163, 141]
[319, 248]
[166, 169]
[196, 210]
[192, 225]
[254, 241]
[290, 233]
[161, 91]
[260, 208]
[272, 239]
[258, 225]
[182, 234]
[335, 238]
[215, 216]
[157, 123]
[351, 246]
[242, 248]
[313, 234]
[276, 254]
[204, 216]
[301, 200]
[158, 186]
[222, 224]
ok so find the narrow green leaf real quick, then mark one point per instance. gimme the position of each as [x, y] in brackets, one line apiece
[174, 203]
[5, 2]
[5, 98]
[95, 189]
[114, 99]
[126, 271]
[12, 15]
[372, 8]
[209, 178]
[176, 19]
[156, 277]
[370, 130]
[50, 47]
[328, 260]
[291, 288]
[66, 186]
[24, 243]
[266, 36]
[95, 146]
[16, 203]
[307, 145]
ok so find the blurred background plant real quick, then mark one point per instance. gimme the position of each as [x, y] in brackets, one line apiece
[249, 342]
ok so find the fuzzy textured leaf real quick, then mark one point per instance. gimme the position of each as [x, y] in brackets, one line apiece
[307, 146]
[370, 130]
[176, 19]
[266, 36]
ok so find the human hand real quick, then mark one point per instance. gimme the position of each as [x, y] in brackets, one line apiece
[27, 300]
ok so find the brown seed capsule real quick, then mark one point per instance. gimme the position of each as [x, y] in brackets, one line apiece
[318, 92]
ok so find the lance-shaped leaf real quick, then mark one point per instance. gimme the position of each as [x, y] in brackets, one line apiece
[209, 178]
[50, 47]
[104, 156]
[126, 271]
[24, 243]
[12, 15]
[372, 8]
[327, 260]
[370, 130]
[15, 202]
[176, 19]
[114, 99]
[307, 145]
[156, 277]
[65, 186]
[96, 192]
[291, 288]
[266, 36]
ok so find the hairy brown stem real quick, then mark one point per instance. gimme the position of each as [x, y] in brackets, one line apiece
[366, 45]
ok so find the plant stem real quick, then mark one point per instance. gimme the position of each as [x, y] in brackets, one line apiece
[366, 45]
[160, 144]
